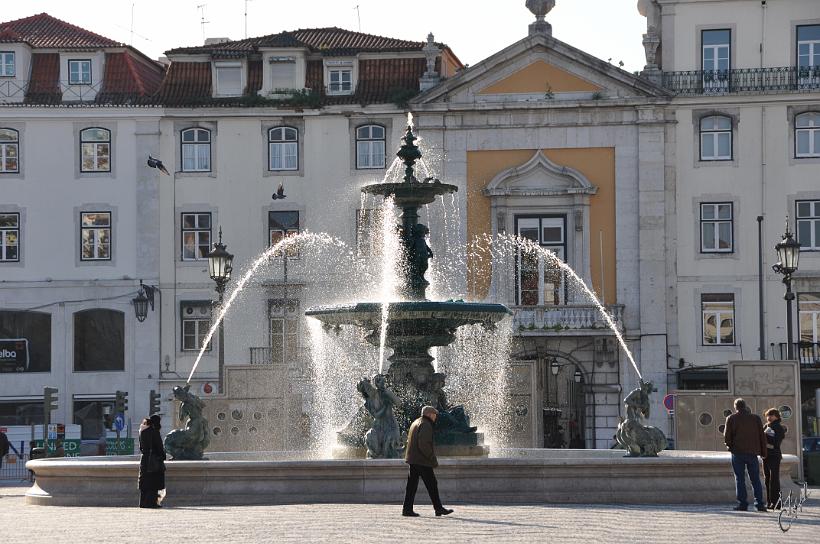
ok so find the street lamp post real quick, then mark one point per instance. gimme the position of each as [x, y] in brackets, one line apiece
[788, 254]
[220, 266]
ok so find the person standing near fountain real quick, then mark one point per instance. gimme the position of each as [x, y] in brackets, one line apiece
[775, 433]
[420, 454]
[152, 462]
[744, 437]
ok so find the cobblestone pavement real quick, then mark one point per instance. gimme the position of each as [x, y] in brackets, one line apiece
[383, 524]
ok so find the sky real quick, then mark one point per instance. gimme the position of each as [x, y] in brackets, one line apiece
[474, 29]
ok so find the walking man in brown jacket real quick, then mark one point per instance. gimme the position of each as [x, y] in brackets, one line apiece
[744, 437]
[420, 454]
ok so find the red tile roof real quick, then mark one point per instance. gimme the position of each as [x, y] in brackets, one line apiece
[129, 79]
[329, 41]
[186, 83]
[44, 31]
[44, 86]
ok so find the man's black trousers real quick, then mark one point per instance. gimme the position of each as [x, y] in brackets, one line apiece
[429, 478]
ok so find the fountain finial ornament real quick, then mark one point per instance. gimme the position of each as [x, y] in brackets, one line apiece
[409, 154]
[540, 8]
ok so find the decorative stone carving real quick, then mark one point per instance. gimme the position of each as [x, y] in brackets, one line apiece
[383, 439]
[652, 39]
[540, 8]
[431, 51]
[189, 442]
[637, 439]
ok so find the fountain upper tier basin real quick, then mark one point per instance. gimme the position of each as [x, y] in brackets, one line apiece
[520, 477]
[411, 194]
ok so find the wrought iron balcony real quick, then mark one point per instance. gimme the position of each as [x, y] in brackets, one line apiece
[808, 353]
[743, 80]
[570, 317]
[20, 90]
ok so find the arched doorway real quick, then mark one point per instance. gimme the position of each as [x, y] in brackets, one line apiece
[563, 404]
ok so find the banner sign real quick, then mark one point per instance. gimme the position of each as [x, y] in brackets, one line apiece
[71, 447]
[13, 354]
[122, 446]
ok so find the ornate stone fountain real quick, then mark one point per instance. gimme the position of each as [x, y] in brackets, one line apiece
[415, 324]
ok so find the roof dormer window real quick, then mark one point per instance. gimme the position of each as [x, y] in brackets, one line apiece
[340, 76]
[7, 64]
[228, 78]
[79, 72]
[282, 72]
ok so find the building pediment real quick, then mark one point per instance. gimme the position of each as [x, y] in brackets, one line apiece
[539, 176]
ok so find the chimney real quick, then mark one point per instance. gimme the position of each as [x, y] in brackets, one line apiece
[216, 41]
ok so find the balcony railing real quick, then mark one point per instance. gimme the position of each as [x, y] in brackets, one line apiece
[808, 353]
[743, 80]
[570, 317]
[18, 90]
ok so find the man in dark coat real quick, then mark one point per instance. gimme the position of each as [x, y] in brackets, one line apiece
[152, 462]
[420, 454]
[744, 437]
[4, 447]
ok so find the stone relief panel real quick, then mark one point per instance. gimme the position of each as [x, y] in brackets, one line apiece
[763, 380]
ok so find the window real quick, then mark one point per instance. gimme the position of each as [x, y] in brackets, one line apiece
[368, 230]
[716, 228]
[284, 331]
[99, 340]
[28, 336]
[9, 151]
[91, 416]
[196, 321]
[808, 224]
[282, 225]
[718, 311]
[196, 150]
[282, 72]
[7, 64]
[340, 81]
[79, 72]
[807, 135]
[716, 138]
[283, 148]
[716, 57]
[196, 236]
[95, 150]
[808, 309]
[228, 78]
[9, 237]
[370, 147]
[95, 236]
[808, 56]
[539, 278]
[25, 412]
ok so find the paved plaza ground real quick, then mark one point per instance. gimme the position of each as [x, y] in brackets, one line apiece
[383, 523]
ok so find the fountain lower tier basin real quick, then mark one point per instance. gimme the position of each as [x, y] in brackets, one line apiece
[521, 476]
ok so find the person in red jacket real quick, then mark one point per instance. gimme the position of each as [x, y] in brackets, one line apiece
[744, 437]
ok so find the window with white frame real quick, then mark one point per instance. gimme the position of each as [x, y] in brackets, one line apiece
[808, 224]
[370, 146]
[718, 318]
[9, 237]
[807, 135]
[283, 148]
[195, 320]
[716, 227]
[539, 278]
[340, 80]
[228, 78]
[368, 230]
[716, 138]
[808, 56]
[284, 331]
[7, 68]
[9, 151]
[95, 236]
[808, 309]
[196, 150]
[79, 72]
[281, 225]
[716, 59]
[196, 236]
[95, 150]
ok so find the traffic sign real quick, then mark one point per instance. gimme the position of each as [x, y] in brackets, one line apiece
[669, 402]
[119, 422]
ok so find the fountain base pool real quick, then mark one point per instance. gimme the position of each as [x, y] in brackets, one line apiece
[521, 476]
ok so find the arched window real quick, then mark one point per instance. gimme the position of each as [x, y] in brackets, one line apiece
[283, 148]
[9, 151]
[370, 146]
[716, 138]
[196, 150]
[95, 150]
[99, 341]
[807, 135]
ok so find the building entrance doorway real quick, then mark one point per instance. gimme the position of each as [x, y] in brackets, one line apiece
[563, 404]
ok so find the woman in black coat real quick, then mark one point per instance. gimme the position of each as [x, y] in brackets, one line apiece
[775, 432]
[152, 462]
